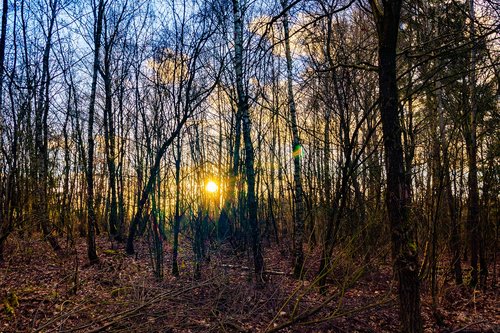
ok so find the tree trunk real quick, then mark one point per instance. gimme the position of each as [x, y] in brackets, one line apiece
[41, 140]
[177, 217]
[473, 212]
[243, 108]
[109, 137]
[297, 155]
[398, 195]
[91, 218]
[5, 222]
[3, 36]
[456, 265]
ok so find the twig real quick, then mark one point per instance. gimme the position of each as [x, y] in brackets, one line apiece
[124, 314]
[246, 268]
[351, 312]
[468, 325]
[306, 314]
[63, 316]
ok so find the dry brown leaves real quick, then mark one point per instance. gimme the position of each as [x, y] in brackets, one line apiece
[120, 294]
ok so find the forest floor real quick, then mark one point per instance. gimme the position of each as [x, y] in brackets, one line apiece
[42, 292]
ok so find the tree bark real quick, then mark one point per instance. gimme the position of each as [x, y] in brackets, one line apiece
[41, 139]
[5, 224]
[456, 265]
[109, 137]
[297, 155]
[243, 108]
[473, 220]
[398, 195]
[177, 217]
[91, 217]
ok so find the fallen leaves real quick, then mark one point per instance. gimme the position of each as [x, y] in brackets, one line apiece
[121, 294]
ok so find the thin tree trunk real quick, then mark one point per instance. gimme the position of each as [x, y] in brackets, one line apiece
[109, 136]
[41, 140]
[65, 204]
[297, 155]
[243, 108]
[231, 198]
[177, 217]
[456, 265]
[5, 222]
[471, 145]
[91, 217]
[3, 36]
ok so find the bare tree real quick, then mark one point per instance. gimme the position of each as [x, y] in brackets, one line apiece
[190, 97]
[42, 134]
[398, 195]
[98, 10]
[297, 154]
[243, 109]
[6, 224]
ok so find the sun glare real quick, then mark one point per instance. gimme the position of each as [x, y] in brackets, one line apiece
[211, 187]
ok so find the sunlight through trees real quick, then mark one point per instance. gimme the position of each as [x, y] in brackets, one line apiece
[347, 134]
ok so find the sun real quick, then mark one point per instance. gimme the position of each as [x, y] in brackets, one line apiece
[211, 187]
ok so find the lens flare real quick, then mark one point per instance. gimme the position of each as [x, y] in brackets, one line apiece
[297, 152]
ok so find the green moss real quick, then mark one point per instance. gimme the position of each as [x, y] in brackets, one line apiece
[9, 303]
[13, 300]
[9, 310]
[413, 247]
[111, 252]
[54, 295]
